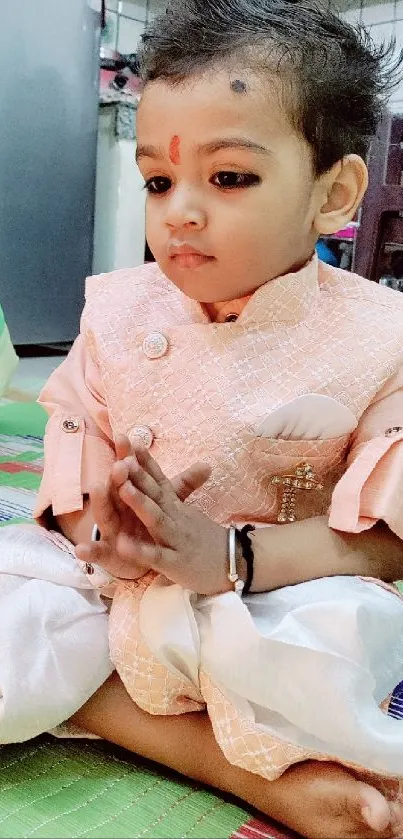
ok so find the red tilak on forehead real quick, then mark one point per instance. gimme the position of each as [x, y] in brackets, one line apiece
[174, 147]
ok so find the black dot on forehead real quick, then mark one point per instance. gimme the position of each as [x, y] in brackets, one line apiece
[238, 86]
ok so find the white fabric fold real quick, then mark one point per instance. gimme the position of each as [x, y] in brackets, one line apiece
[54, 651]
[308, 663]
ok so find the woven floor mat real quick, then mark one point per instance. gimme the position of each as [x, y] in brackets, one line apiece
[64, 789]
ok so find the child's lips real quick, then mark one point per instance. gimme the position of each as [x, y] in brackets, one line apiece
[185, 255]
[190, 259]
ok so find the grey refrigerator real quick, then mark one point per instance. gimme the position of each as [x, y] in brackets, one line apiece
[49, 68]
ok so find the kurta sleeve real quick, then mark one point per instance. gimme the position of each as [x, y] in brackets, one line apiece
[371, 488]
[79, 449]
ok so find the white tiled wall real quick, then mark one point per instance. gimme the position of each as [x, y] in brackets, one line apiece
[385, 20]
[127, 20]
[129, 35]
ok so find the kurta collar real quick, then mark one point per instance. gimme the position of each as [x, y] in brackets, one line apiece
[286, 299]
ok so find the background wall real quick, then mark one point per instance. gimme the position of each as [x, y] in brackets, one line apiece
[384, 20]
[127, 20]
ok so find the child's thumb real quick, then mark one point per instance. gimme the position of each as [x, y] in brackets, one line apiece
[103, 511]
[190, 480]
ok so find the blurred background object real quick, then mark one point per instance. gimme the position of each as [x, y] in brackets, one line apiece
[49, 64]
[8, 356]
[378, 250]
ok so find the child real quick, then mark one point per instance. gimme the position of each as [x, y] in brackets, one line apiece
[251, 134]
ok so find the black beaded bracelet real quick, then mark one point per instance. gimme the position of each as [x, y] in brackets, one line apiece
[247, 553]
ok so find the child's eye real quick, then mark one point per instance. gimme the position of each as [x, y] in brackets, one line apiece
[235, 180]
[158, 185]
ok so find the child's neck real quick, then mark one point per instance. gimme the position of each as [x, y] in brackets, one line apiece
[219, 312]
[227, 311]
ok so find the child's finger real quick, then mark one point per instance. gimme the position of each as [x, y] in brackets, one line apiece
[190, 480]
[99, 553]
[151, 466]
[158, 524]
[152, 480]
[104, 509]
[90, 553]
[162, 493]
[119, 473]
[123, 446]
[159, 558]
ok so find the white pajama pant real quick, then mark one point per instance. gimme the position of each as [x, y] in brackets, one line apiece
[54, 651]
[309, 663]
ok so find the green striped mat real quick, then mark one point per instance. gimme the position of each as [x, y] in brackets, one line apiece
[21, 459]
[67, 789]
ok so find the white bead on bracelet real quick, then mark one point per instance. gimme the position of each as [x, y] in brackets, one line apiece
[233, 574]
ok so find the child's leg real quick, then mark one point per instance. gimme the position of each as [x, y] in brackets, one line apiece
[320, 801]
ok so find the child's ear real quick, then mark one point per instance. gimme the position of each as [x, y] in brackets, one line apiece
[340, 192]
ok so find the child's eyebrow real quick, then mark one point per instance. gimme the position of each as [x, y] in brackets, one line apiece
[231, 143]
[157, 153]
[149, 151]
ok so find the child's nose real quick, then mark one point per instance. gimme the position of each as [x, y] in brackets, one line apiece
[185, 210]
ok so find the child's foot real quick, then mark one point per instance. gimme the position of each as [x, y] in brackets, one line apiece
[324, 801]
[317, 800]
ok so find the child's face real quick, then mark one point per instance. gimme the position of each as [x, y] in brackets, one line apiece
[249, 211]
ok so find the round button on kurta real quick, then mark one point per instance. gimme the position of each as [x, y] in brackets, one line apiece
[70, 425]
[155, 345]
[143, 434]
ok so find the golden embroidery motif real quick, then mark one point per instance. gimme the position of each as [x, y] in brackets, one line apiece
[304, 478]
